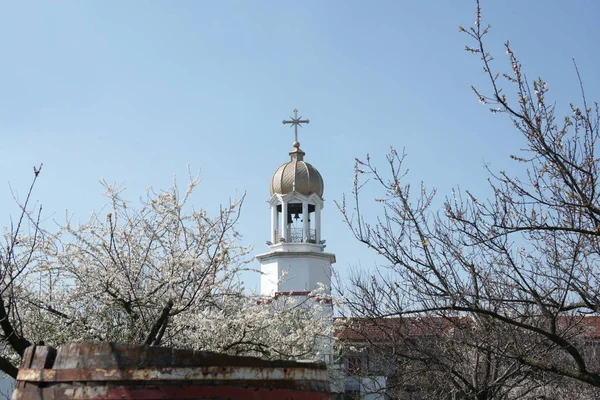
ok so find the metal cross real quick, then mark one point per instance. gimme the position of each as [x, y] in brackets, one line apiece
[296, 121]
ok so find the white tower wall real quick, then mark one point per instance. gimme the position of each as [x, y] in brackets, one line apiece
[294, 271]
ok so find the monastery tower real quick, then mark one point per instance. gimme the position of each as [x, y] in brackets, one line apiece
[296, 262]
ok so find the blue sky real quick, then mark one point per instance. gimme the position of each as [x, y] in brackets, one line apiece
[134, 92]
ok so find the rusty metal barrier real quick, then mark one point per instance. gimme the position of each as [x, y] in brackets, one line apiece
[105, 370]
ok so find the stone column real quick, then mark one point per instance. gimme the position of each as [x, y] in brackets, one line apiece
[274, 223]
[306, 221]
[317, 223]
[284, 221]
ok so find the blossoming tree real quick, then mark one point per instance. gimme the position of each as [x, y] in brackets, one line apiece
[161, 273]
[523, 265]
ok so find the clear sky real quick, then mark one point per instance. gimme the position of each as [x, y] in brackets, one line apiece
[135, 91]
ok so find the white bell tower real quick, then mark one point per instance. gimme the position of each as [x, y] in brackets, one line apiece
[296, 262]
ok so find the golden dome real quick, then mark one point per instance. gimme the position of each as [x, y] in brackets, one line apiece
[297, 176]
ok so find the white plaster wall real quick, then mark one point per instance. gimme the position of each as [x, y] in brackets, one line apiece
[269, 279]
[294, 274]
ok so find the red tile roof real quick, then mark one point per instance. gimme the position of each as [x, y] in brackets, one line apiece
[384, 329]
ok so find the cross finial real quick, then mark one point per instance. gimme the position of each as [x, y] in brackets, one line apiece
[296, 122]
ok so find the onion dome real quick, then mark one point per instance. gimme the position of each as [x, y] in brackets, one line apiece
[297, 176]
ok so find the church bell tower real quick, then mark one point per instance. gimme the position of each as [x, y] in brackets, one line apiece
[296, 262]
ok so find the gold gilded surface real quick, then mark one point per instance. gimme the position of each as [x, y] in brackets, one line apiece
[297, 176]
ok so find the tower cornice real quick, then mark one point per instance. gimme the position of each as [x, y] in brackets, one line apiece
[277, 255]
[313, 198]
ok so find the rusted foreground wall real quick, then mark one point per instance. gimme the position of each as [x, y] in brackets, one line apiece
[115, 371]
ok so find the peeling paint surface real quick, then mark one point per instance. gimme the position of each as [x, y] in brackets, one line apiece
[168, 374]
[112, 371]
